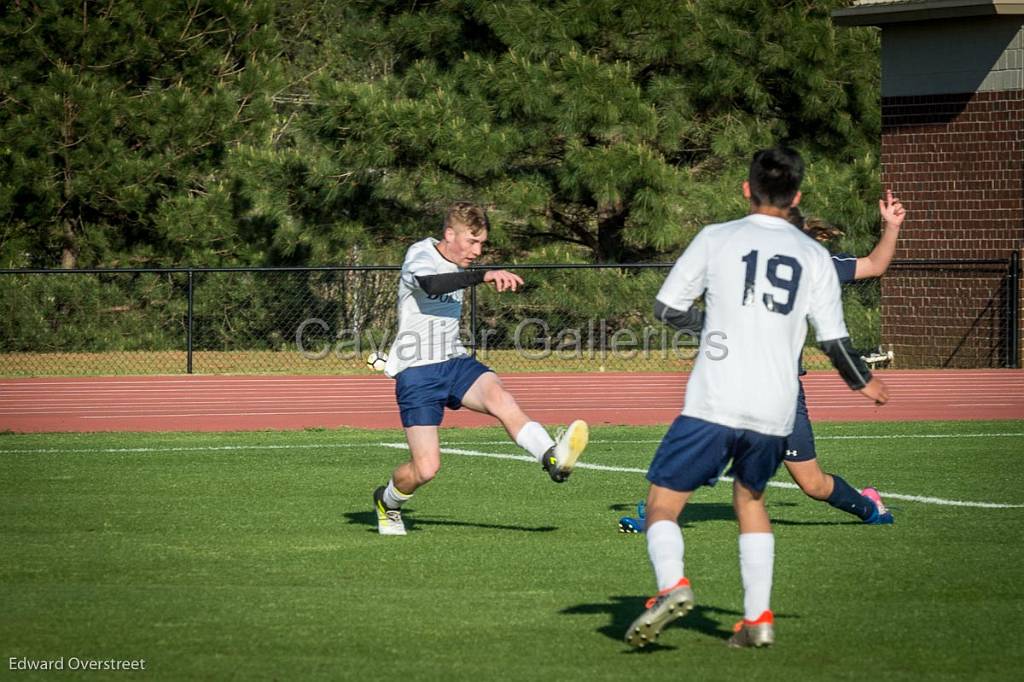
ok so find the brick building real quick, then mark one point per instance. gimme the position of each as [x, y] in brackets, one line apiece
[953, 150]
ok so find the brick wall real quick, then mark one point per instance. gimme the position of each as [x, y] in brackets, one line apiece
[957, 162]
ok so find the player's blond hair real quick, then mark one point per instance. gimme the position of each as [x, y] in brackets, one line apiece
[473, 216]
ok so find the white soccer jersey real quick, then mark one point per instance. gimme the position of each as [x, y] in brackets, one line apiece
[761, 279]
[428, 326]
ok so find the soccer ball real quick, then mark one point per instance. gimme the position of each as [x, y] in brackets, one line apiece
[376, 361]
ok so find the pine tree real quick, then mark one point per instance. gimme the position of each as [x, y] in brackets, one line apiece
[121, 122]
[614, 129]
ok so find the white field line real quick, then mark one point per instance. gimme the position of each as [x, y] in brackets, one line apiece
[208, 448]
[774, 484]
[494, 455]
[878, 437]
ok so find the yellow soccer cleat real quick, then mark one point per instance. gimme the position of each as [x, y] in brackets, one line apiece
[389, 521]
[560, 459]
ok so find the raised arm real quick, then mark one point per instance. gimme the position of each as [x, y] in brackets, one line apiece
[826, 314]
[877, 262]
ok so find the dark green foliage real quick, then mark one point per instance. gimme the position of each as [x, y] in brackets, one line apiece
[325, 132]
[317, 133]
[120, 124]
[616, 128]
[72, 314]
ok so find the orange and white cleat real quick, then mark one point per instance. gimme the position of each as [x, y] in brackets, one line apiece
[755, 633]
[663, 608]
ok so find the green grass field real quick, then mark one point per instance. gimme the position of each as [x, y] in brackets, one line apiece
[253, 556]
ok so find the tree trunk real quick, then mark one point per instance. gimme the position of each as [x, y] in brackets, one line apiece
[69, 253]
[610, 247]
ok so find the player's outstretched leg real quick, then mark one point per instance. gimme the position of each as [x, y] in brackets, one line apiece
[561, 458]
[866, 505]
[802, 463]
[558, 456]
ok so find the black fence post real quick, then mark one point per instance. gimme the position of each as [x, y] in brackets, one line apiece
[188, 328]
[1013, 312]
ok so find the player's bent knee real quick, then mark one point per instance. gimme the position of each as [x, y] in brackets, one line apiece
[426, 470]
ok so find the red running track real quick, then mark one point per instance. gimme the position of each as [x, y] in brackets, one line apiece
[240, 403]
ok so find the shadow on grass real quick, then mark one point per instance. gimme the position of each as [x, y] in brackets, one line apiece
[787, 522]
[369, 519]
[695, 512]
[623, 609]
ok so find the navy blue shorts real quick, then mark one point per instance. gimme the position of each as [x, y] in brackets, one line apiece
[800, 443]
[695, 453]
[423, 392]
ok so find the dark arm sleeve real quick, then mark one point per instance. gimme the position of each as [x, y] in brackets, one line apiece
[847, 361]
[435, 285]
[846, 267]
[691, 320]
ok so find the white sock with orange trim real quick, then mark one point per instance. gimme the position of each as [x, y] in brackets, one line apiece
[665, 548]
[534, 439]
[757, 561]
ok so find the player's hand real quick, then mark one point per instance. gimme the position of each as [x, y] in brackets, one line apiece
[503, 280]
[877, 391]
[892, 211]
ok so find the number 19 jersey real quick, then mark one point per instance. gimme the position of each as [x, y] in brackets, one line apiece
[761, 278]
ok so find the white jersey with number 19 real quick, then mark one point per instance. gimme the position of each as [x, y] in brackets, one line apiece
[761, 279]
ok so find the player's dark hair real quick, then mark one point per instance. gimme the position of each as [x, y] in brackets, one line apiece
[775, 176]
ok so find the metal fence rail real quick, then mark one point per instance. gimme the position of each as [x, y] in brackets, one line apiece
[325, 320]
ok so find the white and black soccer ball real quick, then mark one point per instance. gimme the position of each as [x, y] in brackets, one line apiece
[376, 361]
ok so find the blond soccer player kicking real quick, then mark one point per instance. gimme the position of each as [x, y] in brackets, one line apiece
[432, 369]
[761, 280]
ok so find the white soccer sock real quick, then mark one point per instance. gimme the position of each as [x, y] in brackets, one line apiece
[757, 560]
[534, 439]
[393, 497]
[665, 547]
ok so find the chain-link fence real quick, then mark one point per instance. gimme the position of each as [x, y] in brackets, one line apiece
[567, 318]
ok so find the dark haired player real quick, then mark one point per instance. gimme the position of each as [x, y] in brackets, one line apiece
[801, 457]
[761, 281]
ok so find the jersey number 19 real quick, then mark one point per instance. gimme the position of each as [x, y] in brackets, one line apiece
[788, 284]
